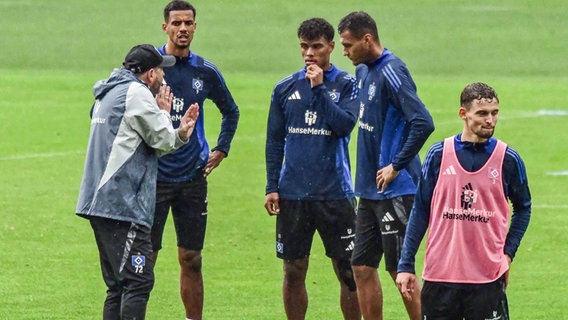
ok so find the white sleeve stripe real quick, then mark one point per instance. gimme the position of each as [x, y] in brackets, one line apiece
[520, 165]
[283, 80]
[392, 77]
[212, 67]
[434, 149]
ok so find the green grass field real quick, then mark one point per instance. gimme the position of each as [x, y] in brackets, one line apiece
[53, 52]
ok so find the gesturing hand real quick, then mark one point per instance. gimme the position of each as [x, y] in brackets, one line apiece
[164, 98]
[187, 123]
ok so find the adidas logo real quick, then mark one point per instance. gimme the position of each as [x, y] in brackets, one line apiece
[388, 217]
[295, 96]
[450, 171]
[350, 247]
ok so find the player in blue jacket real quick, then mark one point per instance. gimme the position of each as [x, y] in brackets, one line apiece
[182, 183]
[312, 114]
[393, 126]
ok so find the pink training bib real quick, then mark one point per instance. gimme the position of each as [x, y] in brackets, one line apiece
[468, 221]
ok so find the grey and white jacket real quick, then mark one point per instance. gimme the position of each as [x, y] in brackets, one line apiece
[128, 133]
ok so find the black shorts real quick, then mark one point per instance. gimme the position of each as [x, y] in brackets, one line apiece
[464, 301]
[188, 201]
[299, 219]
[381, 225]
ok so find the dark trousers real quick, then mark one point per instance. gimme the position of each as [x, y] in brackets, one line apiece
[128, 270]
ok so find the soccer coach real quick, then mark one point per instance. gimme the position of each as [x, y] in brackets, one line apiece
[130, 128]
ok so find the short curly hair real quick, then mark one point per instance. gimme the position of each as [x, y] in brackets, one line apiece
[477, 91]
[315, 28]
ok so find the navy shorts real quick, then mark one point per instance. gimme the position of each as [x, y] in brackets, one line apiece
[299, 219]
[188, 202]
[464, 301]
[381, 225]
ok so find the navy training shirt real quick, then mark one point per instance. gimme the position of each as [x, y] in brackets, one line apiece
[394, 124]
[308, 131]
[193, 79]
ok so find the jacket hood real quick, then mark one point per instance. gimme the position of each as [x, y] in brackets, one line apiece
[117, 77]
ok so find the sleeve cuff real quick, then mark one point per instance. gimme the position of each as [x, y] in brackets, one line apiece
[219, 149]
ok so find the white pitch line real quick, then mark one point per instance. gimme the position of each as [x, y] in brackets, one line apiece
[557, 173]
[40, 155]
[552, 112]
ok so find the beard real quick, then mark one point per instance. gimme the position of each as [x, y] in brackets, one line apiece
[485, 133]
[182, 46]
[155, 88]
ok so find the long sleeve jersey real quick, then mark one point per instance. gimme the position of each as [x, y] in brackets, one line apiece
[128, 133]
[472, 157]
[193, 79]
[307, 137]
[394, 124]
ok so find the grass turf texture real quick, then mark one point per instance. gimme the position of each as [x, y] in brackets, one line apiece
[53, 51]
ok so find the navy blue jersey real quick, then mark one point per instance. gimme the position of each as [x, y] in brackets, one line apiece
[308, 132]
[393, 126]
[192, 80]
[472, 157]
